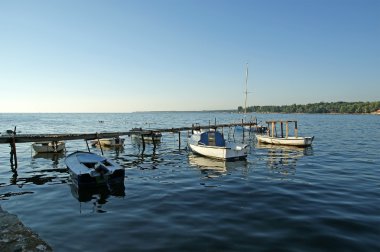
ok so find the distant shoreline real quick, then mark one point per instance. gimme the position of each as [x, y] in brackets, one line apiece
[193, 111]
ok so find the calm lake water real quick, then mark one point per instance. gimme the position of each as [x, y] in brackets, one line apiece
[324, 198]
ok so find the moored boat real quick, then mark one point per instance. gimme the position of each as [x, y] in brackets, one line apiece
[147, 135]
[109, 142]
[90, 170]
[273, 138]
[49, 147]
[211, 144]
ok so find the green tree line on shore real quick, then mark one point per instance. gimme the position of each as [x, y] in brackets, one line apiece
[322, 107]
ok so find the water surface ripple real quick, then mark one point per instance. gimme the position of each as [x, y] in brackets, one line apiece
[322, 198]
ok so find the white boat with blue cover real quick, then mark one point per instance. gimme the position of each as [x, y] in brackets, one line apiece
[90, 170]
[211, 144]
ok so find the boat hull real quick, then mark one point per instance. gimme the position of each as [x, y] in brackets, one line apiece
[290, 141]
[88, 181]
[155, 137]
[229, 152]
[91, 170]
[48, 147]
[212, 144]
[109, 142]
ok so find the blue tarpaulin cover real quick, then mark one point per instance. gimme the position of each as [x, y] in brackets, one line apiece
[207, 136]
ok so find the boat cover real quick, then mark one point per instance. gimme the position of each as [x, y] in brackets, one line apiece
[90, 158]
[212, 138]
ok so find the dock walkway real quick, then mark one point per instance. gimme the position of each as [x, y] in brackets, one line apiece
[26, 138]
[11, 137]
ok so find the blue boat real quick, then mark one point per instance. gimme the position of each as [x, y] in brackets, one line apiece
[91, 170]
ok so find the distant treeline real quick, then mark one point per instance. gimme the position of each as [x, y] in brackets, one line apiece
[322, 107]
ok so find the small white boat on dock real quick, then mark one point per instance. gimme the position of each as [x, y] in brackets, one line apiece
[273, 138]
[211, 144]
[90, 170]
[49, 147]
[109, 142]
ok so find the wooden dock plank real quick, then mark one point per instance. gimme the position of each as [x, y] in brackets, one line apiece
[26, 138]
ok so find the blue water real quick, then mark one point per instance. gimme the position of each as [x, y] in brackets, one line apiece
[323, 198]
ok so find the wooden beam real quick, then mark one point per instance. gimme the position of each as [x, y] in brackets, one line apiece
[27, 138]
[287, 129]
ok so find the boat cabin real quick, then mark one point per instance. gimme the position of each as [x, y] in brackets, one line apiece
[212, 138]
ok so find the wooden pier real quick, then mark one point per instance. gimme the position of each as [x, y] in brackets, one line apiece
[12, 138]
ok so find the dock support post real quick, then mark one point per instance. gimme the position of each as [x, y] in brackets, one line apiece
[282, 130]
[100, 145]
[287, 129]
[88, 148]
[295, 129]
[13, 151]
[143, 143]
[179, 140]
[153, 141]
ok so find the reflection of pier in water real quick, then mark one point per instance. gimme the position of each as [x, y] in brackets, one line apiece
[283, 159]
[36, 175]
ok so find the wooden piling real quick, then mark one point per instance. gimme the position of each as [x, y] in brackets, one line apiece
[143, 142]
[100, 145]
[13, 151]
[153, 141]
[88, 148]
[179, 140]
[286, 129]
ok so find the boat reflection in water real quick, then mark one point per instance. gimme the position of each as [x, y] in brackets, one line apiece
[283, 159]
[50, 156]
[98, 195]
[214, 167]
[101, 193]
[117, 150]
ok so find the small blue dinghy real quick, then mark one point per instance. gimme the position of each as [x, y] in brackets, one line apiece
[90, 170]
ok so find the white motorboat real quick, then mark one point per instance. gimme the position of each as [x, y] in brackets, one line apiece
[49, 147]
[273, 138]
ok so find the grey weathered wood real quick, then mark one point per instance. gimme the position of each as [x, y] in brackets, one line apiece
[26, 138]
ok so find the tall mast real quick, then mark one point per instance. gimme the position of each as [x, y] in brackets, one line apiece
[246, 90]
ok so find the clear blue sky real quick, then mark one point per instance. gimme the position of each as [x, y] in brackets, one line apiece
[123, 56]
